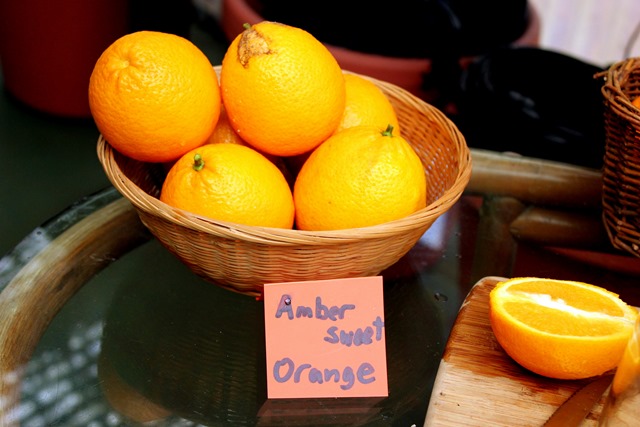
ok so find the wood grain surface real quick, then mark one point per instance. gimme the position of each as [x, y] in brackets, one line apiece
[478, 384]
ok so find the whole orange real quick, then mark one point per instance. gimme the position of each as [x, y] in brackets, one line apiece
[359, 177]
[366, 104]
[230, 182]
[283, 90]
[223, 132]
[154, 96]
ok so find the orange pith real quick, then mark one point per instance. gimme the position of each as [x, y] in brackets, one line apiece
[154, 96]
[282, 89]
[583, 298]
[560, 329]
[553, 321]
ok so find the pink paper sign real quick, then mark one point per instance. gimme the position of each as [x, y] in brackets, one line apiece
[325, 338]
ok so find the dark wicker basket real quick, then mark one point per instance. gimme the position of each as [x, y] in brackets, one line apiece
[621, 173]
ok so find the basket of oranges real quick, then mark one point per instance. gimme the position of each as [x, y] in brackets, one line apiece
[621, 171]
[335, 198]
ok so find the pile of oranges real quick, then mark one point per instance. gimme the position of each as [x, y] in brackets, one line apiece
[281, 137]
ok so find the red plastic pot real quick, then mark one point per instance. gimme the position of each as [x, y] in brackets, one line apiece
[48, 49]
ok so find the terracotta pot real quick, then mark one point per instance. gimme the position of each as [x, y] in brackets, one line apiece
[407, 73]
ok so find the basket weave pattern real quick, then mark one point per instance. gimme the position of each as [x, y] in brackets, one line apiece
[621, 172]
[243, 258]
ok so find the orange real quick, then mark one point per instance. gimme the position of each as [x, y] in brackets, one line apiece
[628, 370]
[359, 177]
[224, 133]
[230, 182]
[366, 104]
[560, 329]
[154, 96]
[636, 102]
[283, 90]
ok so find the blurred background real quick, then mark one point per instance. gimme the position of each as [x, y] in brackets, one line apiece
[47, 49]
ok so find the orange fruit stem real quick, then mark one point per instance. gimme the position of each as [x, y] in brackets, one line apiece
[198, 162]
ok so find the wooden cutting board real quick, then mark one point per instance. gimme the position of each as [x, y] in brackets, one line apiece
[478, 384]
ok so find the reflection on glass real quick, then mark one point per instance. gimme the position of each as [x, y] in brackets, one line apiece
[146, 341]
[182, 346]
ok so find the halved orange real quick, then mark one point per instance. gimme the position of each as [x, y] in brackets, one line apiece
[560, 329]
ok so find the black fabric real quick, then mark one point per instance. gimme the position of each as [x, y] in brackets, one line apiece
[535, 102]
[405, 28]
[172, 16]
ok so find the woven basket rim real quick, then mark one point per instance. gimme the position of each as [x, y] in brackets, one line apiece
[612, 90]
[280, 236]
[290, 237]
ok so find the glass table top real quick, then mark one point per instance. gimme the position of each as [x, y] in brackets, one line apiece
[145, 339]
[102, 326]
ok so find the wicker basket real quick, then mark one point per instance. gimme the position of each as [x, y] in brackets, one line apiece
[621, 172]
[243, 258]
